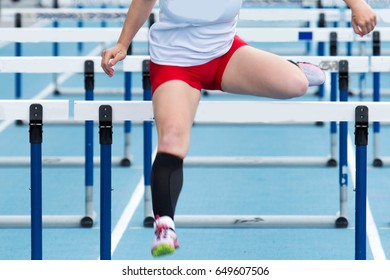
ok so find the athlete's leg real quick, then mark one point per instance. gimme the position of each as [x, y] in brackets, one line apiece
[174, 104]
[256, 72]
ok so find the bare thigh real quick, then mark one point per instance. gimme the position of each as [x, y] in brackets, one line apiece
[175, 104]
[256, 72]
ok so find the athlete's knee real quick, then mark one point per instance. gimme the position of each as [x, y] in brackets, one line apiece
[301, 87]
[293, 91]
[295, 87]
[174, 140]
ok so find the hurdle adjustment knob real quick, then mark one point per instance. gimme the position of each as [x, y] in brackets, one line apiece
[125, 162]
[148, 222]
[86, 222]
[341, 222]
[331, 163]
[377, 162]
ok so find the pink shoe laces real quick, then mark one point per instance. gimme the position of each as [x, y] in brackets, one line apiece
[162, 231]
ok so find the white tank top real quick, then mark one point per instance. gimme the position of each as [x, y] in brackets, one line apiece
[193, 32]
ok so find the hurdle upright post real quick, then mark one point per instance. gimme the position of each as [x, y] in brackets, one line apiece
[321, 51]
[36, 116]
[80, 24]
[105, 138]
[333, 97]
[147, 126]
[376, 51]
[89, 84]
[103, 23]
[361, 141]
[342, 221]
[56, 50]
[18, 52]
[127, 124]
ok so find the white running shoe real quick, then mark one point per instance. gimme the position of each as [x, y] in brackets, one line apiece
[314, 73]
[165, 240]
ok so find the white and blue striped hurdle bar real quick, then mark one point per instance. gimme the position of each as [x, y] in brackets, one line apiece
[48, 3]
[253, 34]
[241, 112]
[110, 34]
[247, 14]
[37, 112]
[250, 34]
[115, 14]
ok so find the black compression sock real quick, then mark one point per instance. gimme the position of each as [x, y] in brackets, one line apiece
[166, 183]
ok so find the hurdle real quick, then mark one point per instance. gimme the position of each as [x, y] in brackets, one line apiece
[37, 113]
[254, 35]
[88, 161]
[67, 35]
[378, 64]
[241, 112]
[141, 112]
[67, 3]
[58, 65]
[114, 14]
[58, 35]
[250, 34]
[137, 64]
[134, 64]
[328, 64]
[68, 65]
[246, 14]
[110, 34]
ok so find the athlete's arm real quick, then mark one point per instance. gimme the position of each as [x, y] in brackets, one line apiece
[137, 15]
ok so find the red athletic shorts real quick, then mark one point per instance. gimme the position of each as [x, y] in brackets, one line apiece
[204, 76]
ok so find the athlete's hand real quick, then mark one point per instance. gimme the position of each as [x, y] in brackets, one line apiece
[110, 57]
[363, 17]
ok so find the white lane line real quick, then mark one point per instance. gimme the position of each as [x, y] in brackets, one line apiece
[127, 215]
[128, 212]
